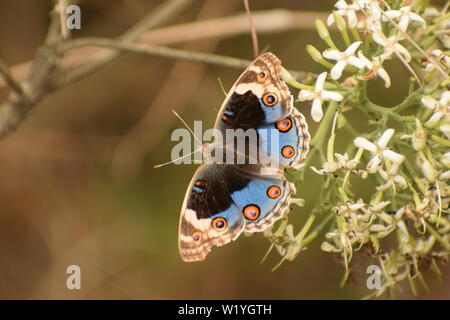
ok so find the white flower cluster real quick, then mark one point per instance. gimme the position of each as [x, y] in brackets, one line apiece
[368, 16]
[407, 168]
[410, 170]
[380, 154]
[358, 222]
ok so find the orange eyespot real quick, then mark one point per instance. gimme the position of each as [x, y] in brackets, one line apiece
[199, 186]
[284, 125]
[219, 223]
[270, 99]
[251, 212]
[200, 183]
[261, 76]
[197, 235]
[225, 118]
[288, 152]
[273, 192]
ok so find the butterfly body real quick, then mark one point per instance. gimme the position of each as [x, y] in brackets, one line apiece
[225, 199]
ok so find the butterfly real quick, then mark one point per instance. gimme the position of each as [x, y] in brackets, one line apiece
[223, 200]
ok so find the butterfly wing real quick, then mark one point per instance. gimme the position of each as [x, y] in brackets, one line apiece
[257, 98]
[222, 201]
[285, 143]
[209, 216]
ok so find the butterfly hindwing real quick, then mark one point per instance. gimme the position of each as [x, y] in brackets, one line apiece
[222, 201]
[286, 142]
[263, 201]
[207, 202]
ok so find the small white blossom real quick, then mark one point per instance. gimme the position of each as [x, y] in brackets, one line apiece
[404, 16]
[318, 96]
[346, 10]
[343, 59]
[341, 163]
[372, 21]
[390, 45]
[440, 57]
[288, 237]
[440, 108]
[376, 68]
[391, 178]
[379, 150]
[327, 167]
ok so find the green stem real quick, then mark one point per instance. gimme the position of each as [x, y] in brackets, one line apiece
[313, 234]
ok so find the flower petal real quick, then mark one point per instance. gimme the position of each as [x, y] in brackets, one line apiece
[403, 51]
[304, 95]
[336, 71]
[352, 19]
[373, 164]
[384, 140]
[332, 54]
[393, 156]
[321, 81]
[375, 10]
[429, 102]
[341, 4]
[353, 47]
[403, 23]
[366, 61]
[445, 98]
[385, 76]
[330, 95]
[434, 119]
[401, 181]
[365, 144]
[417, 18]
[379, 38]
[393, 14]
[316, 110]
[354, 61]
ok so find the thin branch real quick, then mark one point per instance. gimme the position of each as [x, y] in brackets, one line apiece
[42, 70]
[14, 110]
[160, 15]
[9, 79]
[429, 57]
[253, 30]
[202, 57]
[44, 78]
[270, 21]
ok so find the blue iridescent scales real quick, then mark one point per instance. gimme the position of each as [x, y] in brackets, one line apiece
[224, 200]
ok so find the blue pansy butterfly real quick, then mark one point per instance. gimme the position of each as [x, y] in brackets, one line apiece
[224, 200]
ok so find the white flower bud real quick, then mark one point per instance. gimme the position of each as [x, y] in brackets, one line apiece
[427, 169]
[419, 137]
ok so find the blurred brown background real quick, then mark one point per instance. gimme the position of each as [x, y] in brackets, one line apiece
[77, 184]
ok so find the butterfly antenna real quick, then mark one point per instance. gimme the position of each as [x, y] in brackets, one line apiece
[222, 87]
[173, 161]
[190, 130]
[253, 30]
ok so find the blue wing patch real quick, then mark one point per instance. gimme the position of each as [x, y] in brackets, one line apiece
[284, 143]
